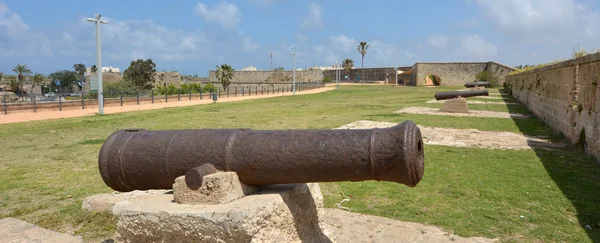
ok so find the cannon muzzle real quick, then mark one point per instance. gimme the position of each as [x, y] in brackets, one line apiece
[477, 84]
[144, 159]
[456, 94]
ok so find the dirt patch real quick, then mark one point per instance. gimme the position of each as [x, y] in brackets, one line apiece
[472, 113]
[353, 227]
[467, 137]
[478, 102]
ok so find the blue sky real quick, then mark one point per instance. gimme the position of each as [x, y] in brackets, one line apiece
[194, 36]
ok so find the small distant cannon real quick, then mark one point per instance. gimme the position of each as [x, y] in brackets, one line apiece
[456, 94]
[477, 84]
[455, 100]
[144, 159]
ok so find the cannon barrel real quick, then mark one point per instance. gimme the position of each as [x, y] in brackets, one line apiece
[145, 159]
[477, 84]
[455, 94]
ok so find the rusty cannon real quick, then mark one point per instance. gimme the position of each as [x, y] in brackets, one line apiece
[146, 159]
[477, 84]
[456, 94]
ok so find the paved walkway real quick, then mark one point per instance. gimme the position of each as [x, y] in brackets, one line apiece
[45, 115]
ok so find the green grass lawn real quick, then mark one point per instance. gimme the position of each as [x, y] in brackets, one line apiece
[49, 167]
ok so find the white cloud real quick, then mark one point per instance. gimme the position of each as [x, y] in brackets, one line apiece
[11, 23]
[438, 41]
[223, 13]
[301, 37]
[540, 19]
[476, 47]
[313, 18]
[343, 43]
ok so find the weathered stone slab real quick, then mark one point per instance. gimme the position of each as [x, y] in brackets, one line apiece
[278, 213]
[467, 137]
[458, 105]
[476, 102]
[359, 228]
[217, 188]
[472, 113]
[14, 230]
[105, 202]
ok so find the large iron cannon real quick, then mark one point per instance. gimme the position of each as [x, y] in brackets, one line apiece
[477, 84]
[456, 94]
[145, 159]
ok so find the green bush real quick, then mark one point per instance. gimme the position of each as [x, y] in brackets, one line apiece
[171, 89]
[326, 80]
[487, 76]
[209, 88]
[116, 89]
[195, 87]
[185, 88]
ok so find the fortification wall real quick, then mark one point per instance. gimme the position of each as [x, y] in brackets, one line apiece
[457, 73]
[566, 97]
[271, 76]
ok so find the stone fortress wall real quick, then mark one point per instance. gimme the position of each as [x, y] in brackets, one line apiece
[566, 96]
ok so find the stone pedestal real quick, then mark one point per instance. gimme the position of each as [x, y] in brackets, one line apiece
[218, 188]
[277, 213]
[457, 105]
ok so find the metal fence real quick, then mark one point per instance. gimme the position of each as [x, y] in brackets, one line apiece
[71, 101]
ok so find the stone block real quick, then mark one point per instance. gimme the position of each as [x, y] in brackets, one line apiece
[105, 202]
[217, 188]
[277, 213]
[14, 230]
[458, 105]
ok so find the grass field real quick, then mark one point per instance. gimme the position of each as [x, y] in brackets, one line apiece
[49, 167]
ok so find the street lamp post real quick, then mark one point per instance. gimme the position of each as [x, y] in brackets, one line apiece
[97, 21]
[337, 75]
[396, 73]
[294, 72]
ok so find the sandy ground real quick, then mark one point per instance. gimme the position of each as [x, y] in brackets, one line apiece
[478, 102]
[467, 137]
[472, 113]
[45, 115]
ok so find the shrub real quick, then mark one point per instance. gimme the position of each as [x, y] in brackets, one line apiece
[209, 88]
[487, 76]
[195, 87]
[116, 89]
[185, 88]
[326, 80]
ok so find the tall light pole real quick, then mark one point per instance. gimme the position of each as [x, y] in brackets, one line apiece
[294, 72]
[337, 75]
[97, 21]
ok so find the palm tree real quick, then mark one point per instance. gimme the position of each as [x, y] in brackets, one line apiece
[21, 69]
[93, 69]
[225, 75]
[362, 48]
[348, 64]
[80, 69]
[36, 80]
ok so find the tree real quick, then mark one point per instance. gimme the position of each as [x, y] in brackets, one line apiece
[362, 48]
[1, 75]
[279, 69]
[348, 64]
[66, 77]
[141, 73]
[37, 79]
[93, 69]
[224, 75]
[21, 69]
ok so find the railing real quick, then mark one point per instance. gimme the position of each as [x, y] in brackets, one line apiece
[62, 102]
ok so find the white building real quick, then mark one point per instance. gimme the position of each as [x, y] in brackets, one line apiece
[110, 69]
[249, 68]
